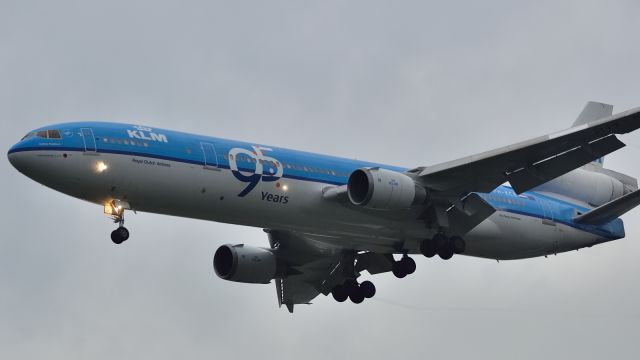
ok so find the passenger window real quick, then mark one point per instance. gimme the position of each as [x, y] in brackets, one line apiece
[54, 134]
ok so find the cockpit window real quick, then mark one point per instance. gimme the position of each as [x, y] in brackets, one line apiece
[54, 134]
[45, 134]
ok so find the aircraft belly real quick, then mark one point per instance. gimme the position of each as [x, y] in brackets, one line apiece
[506, 236]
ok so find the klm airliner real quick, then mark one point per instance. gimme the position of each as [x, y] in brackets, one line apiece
[329, 219]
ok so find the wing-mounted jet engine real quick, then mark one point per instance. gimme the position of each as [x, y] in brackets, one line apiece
[381, 189]
[247, 264]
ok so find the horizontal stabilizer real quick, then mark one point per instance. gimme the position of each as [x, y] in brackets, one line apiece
[610, 210]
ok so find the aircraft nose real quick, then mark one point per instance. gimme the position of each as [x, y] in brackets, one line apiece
[14, 158]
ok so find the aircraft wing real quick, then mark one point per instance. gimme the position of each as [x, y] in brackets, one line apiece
[530, 163]
[314, 267]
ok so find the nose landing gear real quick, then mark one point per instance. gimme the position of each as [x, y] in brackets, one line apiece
[115, 210]
[119, 235]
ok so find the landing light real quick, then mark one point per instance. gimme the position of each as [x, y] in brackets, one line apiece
[101, 166]
[285, 188]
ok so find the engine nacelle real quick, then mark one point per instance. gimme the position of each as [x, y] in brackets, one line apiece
[383, 189]
[247, 264]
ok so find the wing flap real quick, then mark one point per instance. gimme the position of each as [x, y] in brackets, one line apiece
[473, 211]
[537, 174]
[610, 210]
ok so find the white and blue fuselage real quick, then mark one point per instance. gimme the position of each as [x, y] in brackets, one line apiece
[180, 174]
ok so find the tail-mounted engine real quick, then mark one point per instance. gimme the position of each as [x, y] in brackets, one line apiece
[384, 189]
[247, 264]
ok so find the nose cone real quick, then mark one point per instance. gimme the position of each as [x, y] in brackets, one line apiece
[14, 158]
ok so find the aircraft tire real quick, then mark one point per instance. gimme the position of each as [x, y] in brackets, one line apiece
[445, 253]
[398, 270]
[428, 248]
[119, 235]
[458, 244]
[124, 233]
[339, 294]
[408, 264]
[357, 296]
[115, 237]
[368, 289]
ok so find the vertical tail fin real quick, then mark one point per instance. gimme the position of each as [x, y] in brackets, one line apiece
[594, 111]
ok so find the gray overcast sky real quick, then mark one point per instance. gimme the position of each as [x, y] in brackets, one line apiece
[402, 82]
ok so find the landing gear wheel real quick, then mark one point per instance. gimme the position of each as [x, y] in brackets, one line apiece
[428, 248]
[398, 270]
[339, 293]
[120, 235]
[458, 245]
[115, 237]
[356, 296]
[367, 289]
[445, 253]
[408, 264]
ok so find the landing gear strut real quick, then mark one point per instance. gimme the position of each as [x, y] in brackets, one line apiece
[351, 288]
[443, 246]
[115, 209]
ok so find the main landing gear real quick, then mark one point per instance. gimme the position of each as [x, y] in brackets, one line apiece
[442, 245]
[115, 209]
[403, 267]
[353, 290]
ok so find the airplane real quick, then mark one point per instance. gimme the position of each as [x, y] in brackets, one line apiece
[329, 219]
